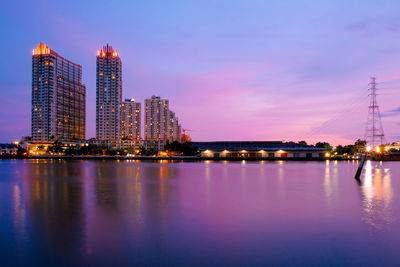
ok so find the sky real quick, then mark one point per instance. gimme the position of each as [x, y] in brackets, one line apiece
[232, 70]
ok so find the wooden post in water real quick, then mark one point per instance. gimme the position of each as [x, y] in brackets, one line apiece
[360, 167]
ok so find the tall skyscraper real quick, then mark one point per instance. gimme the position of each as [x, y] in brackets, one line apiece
[160, 123]
[130, 119]
[58, 97]
[108, 94]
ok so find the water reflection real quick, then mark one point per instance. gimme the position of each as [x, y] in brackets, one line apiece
[84, 203]
[138, 213]
[19, 215]
[54, 202]
[377, 194]
[331, 181]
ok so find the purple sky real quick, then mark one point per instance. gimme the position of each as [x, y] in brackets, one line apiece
[233, 70]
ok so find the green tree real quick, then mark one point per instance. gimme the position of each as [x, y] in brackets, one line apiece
[71, 151]
[55, 148]
[359, 146]
[323, 145]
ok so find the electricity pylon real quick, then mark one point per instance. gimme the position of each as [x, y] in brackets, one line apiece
[374, 131]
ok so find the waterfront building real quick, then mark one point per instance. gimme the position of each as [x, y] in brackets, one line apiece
[130, 119]
[259, 150]
[108, 94]
[58, 97]
[8, 149]
[129, 145]
[161, 124]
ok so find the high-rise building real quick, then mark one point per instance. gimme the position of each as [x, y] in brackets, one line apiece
[108, 94]
[58, 97]
[174, 129]
[130, 119]
[160, 123]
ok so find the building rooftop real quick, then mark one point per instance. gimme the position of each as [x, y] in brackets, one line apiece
[253, 145]
[7, 146]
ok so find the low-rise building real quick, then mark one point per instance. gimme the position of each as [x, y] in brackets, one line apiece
[113, 144]
[395, 146]
[42, 148]
[259, 150]
[8, 149]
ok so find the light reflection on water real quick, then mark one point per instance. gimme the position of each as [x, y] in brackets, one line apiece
[220, 213]
[377, 194]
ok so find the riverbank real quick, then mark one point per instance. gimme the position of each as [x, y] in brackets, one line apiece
[390, 157]
[174, 158]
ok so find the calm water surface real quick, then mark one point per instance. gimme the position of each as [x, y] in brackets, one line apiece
[240, 213]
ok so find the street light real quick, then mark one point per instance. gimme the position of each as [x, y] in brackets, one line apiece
[368, 148]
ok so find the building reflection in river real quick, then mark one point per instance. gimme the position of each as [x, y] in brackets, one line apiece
[82, 203]
[127, 212]
[53, 195]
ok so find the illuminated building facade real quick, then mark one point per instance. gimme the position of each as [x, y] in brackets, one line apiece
[161, 124]
[58, 97]
[108, 94]
[260, 150]
[130, 119]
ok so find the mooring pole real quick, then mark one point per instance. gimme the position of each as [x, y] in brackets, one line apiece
[360, 167]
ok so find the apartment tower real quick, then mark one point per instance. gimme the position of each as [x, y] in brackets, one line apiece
[108, 94]
[160, 123]
[130, 120]
[174, 128]
[58, 97]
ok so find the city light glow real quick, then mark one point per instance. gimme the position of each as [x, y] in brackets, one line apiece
[41, 49]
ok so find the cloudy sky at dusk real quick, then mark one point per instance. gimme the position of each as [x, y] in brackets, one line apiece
[233, 70]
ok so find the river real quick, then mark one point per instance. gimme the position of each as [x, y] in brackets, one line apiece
[99, 213]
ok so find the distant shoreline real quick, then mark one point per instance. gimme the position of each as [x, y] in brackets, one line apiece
[173, 158]
[184, 158]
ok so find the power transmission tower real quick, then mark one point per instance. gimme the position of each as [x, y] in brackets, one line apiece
[374, 131]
